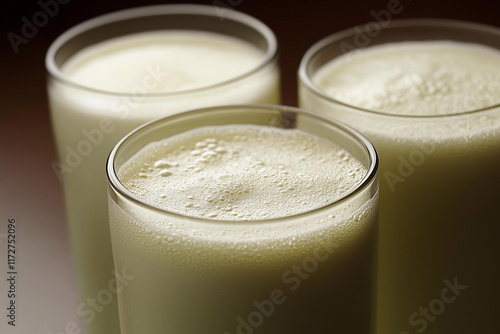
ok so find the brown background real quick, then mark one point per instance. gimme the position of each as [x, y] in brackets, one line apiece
[29, 189]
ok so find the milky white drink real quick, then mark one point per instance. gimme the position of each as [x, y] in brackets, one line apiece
[113, 87]
[238, 249]
[439, 176]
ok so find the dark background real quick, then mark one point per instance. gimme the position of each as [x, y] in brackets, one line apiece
[29, 189]
[297, 24]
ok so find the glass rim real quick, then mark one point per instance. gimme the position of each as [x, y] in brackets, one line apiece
[306, 81]
[55, 72]
[117, 186]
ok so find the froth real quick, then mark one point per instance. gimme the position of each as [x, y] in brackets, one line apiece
[416, 78]
[241, 173]
[159, 62]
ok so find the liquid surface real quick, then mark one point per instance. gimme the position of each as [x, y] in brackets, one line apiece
[241, 173]
[160, 62]
[415, 78]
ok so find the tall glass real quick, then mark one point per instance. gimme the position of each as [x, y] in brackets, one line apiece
[87, 122]
[306, 273]
[438, 192]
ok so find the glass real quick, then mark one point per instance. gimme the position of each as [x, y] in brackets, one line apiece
[87, 122]
[305, 273]
[439, 190]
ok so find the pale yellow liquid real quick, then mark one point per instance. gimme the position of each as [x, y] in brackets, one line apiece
[135, 68]
[208, 277]
[439, 177]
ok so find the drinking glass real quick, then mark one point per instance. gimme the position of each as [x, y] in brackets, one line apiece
[438, 191]
[309, 272]
[88, 121]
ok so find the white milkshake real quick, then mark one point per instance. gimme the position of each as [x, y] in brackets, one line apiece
[431, 110]
[243, 239]
[107, 89]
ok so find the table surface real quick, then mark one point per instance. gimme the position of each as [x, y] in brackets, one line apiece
[30, 193]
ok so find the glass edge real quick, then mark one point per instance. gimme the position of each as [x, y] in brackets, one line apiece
[305, 81]
[54, 73]
[119, 189]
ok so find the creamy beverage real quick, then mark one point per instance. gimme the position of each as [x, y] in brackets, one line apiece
[415, 78]
[431, 110]
[231, 229]
[162, 62]
[110, 87]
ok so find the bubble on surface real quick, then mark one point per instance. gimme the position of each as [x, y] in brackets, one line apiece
[415, 78]
[251, 173]
[165, 172]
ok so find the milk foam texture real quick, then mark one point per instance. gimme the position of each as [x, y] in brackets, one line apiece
[185, 60]
[415, 78]
[241, 172]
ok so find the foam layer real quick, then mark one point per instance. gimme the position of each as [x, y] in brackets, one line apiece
[415, 78]
[158, 62]
[241, 173]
